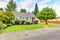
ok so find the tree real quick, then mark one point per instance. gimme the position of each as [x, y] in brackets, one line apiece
[47, 13]
[23, 10]
[11, 6]
[1, 16]
[8, 17]
[36, 9]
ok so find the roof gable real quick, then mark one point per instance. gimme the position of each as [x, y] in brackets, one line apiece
[24, 14]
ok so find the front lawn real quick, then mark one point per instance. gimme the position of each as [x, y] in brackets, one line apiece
[27, 27]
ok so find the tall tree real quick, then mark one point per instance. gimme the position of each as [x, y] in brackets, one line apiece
[47, 13]
[11, 6]
[23, 10]
[36, 9]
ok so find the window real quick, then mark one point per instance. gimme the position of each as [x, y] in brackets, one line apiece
[20, 17]
[26, 17]
[23, 17]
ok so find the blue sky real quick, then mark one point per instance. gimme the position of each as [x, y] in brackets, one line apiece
[30, 4]
[51, 2]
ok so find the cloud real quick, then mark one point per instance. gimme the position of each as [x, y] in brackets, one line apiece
[56, 7]
[25, 4]
[30, 4]
[3, 3]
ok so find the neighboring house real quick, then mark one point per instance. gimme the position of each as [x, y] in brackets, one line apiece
[30, 17]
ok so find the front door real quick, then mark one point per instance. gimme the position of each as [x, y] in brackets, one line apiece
[33, 20]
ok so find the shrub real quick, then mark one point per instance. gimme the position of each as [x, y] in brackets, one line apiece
[2, 26]
[17, 22]
[9, 25]
[23, 21]
[28, 23]
[36, 22]
[13, 23]
[6, 21]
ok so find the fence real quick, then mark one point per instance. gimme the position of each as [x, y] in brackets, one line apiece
[55, 22]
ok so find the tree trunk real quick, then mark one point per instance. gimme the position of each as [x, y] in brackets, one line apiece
[46, 21]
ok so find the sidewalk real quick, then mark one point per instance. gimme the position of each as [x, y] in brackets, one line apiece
[26, 34]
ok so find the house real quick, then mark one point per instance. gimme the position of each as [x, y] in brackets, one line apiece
[29, 17]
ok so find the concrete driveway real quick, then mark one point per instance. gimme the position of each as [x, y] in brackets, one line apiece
[50, 36]
[38, 34]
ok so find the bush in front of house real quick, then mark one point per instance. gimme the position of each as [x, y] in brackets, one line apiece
[8, 25]
[28, 23]
[36, 22]
[2, 26]
[6, 21]
[23, 21]
[17, 22]
[13, 23]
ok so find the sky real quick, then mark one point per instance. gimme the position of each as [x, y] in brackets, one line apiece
[30, 4]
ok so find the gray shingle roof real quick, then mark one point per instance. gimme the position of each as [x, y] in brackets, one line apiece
[17, 14]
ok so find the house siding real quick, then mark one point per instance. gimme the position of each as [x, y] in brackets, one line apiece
[25, 16]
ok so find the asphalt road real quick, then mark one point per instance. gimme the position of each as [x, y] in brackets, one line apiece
[50, 36]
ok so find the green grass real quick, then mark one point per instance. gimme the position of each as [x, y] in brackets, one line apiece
[51, 25]
[26, 27]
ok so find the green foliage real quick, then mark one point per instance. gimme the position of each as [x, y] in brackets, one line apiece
[23, 10]
[36, 22]
[2, 26]
[46, 13]
[13, 23]
[11, 6]
[8, 25]
[28, 23]
[36, 9]
[8, 17]
[23, 21]
[6, 21]
[1, 9]
[17, 21]
[1, 16]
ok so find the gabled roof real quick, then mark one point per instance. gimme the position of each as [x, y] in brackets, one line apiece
[24, 14]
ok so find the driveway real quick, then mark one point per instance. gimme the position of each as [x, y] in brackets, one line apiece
[50, 36]
[38, 34]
